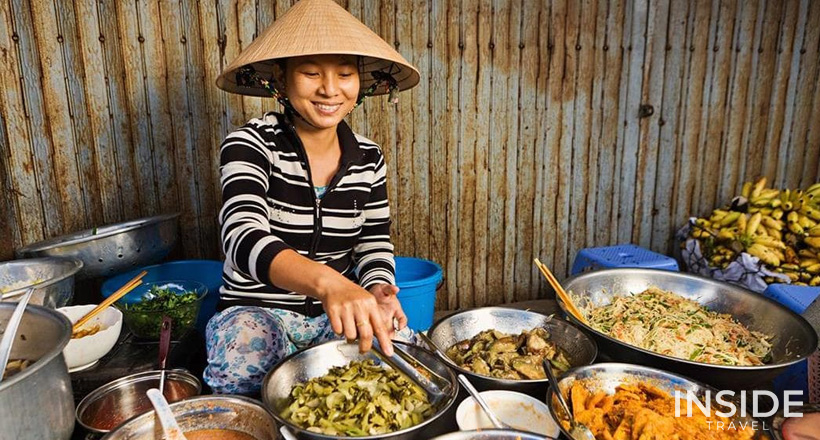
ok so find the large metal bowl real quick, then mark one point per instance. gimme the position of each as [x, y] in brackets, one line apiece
[607, 376]
[579, 347]
[53, 279]
[37, 403]
[206, 412]
[793, 338]
[318, 360]
[109, 250]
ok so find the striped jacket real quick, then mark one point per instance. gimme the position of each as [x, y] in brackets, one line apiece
[269, 205]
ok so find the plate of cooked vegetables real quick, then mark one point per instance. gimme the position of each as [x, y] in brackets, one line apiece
[331, 390]
[504, 348]
[622, 401]
[717, 332]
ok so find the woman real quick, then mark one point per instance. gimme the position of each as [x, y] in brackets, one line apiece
[305, 219]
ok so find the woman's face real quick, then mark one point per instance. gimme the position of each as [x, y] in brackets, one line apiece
[322, 88]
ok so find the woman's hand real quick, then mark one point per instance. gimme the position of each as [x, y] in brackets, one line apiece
[356, 313]
[390, 307]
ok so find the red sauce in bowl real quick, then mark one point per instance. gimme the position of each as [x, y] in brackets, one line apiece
[217, 434]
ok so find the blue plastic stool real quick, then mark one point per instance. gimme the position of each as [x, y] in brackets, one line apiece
[622, 255]
[798, 299]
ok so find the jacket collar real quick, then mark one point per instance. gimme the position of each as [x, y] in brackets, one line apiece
[347, 139]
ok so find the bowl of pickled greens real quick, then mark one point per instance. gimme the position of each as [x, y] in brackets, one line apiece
[144, 309]
[331, 391]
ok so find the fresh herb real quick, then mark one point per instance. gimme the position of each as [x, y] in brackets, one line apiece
[145, 317]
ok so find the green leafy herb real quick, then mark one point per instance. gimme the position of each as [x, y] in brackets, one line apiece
[145, 317]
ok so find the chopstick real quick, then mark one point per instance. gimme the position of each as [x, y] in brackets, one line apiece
[560, 291]
[129, 286]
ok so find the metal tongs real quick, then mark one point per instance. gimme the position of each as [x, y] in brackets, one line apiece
[404, 362]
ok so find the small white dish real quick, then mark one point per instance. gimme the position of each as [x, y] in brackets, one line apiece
[518, 410]
[83, 353]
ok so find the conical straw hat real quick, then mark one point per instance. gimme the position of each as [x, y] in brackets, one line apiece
[318, 27]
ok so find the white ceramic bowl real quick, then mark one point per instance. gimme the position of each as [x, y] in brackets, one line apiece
[518, 410]
[84, 352]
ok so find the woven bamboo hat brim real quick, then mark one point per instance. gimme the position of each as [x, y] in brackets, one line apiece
[318, 27]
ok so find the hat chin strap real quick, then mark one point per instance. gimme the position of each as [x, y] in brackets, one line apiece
[248, 77]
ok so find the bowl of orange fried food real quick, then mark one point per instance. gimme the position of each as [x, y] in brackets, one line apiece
[623, 401]
[94, 339]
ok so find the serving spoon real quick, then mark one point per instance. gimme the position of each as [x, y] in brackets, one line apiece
[11, 331]
[577, 431]
[170, 427]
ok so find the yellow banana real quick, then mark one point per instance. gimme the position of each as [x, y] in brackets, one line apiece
[771, 223]
[729, 219]
[758, 187]
[814, 189]
[770, 242]
[761, 202]
[813, 242]
[754, 222]
[795, 196]
[726, 234]
[815, 231]
[766, 210]
[813, 269]
[777, 214]
[789, 267]
[815, 281]
[764, 254]
[806, 222]
[747, 189]
[793, 217]
[770, 193]
[808, 262]
[775, 202]
[794, 276]
[811, 213]
[784, 195]
[717, 215]
[774, 233]
[787, 205]
[806, 253]
[796, 228]
[742, 221]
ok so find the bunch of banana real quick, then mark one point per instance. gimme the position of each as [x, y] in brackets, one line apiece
[780, 227]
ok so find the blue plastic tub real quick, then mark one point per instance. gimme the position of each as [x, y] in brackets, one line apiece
[418, 280]
[207, 272]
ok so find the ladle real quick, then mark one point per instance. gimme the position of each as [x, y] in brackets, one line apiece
[577, 431]
[11, 331]
[170, 427]
[483, 404]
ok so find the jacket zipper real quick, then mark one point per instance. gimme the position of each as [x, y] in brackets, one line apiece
[317, 213]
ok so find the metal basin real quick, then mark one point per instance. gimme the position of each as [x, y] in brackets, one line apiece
[111, 249]
[318, 360]
[53, 277]
[491, 434]
[794, 339]
[580, 348]
[37, 403]
[107, 407]
[205, 412]
[607, 376]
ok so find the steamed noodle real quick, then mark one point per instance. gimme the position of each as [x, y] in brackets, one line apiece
[672, 325]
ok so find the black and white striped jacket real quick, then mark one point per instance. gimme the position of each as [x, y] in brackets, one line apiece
[269, 205]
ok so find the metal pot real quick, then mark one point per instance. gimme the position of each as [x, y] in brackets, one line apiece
[53, 279]
[205, 412]
[318, 360]
[107, 407]
[111, 249]
[794, 339]
[37, 403]
[580, 348]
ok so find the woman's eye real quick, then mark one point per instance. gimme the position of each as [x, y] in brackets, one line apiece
[346, 75]
[311, 74]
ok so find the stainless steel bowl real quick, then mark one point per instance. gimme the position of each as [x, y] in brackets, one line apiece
[580, 348]
[53, 279]
[490, 434]
[107, 407]
[794, 339]
[109, 250]
[37, 403]
[607, 376]
[206, 412]
[318, 360]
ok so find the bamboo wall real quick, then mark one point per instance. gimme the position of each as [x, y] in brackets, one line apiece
[539, 128]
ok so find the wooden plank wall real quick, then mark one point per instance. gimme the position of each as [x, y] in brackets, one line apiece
[524, 139]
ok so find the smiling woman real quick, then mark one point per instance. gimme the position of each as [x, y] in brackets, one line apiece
[305, 217]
